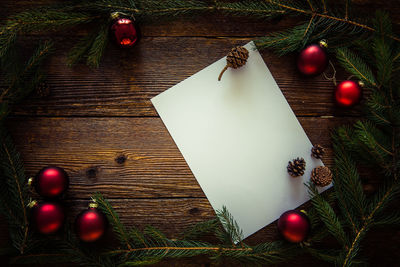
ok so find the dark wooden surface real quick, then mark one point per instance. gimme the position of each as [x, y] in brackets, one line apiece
[100, 126]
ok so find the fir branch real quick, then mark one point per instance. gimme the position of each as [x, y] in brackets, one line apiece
[377, 205]
[379, 108]
[79, 51]
[387, 192]
[257, 9]
[38, 20]
[140, 262]
[345, 20]
[231, 233]
[287, 41]
[98, 47]
[348, 186]
[325, 255]
[382, 48]
[392, 218]
[153, 246]
[137, 237]
[14, 181]
[374, 145]
[200, 229]
[113, 218]
[18, 86]
[327, 215]
[355, 65]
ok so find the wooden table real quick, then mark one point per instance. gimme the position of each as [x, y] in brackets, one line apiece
[100, 125]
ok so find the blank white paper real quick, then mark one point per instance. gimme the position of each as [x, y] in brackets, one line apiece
[237, 136]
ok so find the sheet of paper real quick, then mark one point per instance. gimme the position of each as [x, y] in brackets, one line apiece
[237, 136]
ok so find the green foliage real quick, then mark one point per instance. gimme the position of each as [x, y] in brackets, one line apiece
[113, 218]
[355, 65]
[327, 215]
[255, 9]
[142, 248]
[231, 234]
[42, 19]
[98, 47]
[372, 142]
[200, 229]
[351, 197]
[21, 79]
[323, 22]
[80, 50]
[13, 193]
[287, 41]
[338, 33]
[392, 218]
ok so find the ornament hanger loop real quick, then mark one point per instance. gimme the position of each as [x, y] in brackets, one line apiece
[333, 78]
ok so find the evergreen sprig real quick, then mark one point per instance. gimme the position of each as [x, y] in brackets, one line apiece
[372, 142]
[151, 245]
[323, 21]
[14, 195]
[21, 79]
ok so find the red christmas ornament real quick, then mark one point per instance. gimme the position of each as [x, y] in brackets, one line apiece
[48, 217]
[51, 182]
[348, 93]
[124, 31]
[313, 59]
[294, 226]
[90, 224]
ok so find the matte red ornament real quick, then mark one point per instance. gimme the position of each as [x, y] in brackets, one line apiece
[90, 224]
[294, 226]
[313, 59]
[125, 32]
[348, 93]
[48, 217]
[51, 182]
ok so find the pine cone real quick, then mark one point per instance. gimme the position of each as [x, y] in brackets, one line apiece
[318, 151]
[43, 89]
[235, 59]
[297, 167]
[321, 176]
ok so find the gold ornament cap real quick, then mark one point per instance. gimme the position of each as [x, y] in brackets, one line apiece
[32, 204]
[323, 43]
[93, 204]
[116, 15]
[361, 83]
[303, 211]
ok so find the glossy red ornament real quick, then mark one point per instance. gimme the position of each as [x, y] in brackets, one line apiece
[90, 224]
[124, 31]
[313, 59]
[48, 217]
[294, 226]
[347, 93]
[51, 182]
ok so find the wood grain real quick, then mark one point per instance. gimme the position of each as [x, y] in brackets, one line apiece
[100, 125]
[128, 79]
[122, 157]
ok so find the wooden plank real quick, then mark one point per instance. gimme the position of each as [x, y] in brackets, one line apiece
[128, 79]
[212, 24]
[122, 157]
